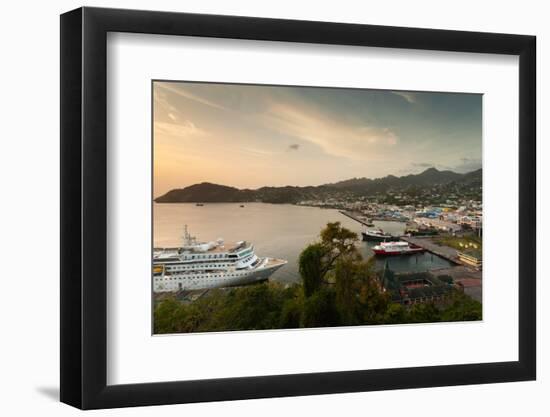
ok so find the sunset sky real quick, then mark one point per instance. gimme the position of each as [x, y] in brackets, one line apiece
[248, 136]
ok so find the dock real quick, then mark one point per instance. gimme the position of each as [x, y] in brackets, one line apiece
[426, 242]
[470, 279]
[355, 216]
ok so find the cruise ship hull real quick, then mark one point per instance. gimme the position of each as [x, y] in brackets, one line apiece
[254, 276]
[205, 265]
[212, 280]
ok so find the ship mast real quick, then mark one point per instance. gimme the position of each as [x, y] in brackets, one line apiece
[188, 240]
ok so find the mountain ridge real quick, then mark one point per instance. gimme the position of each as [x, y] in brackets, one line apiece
[207, 192]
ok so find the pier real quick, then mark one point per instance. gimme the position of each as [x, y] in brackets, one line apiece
[470, 279]
[355, 216]
[426, 242]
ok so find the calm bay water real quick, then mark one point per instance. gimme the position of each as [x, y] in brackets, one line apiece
[275, 230]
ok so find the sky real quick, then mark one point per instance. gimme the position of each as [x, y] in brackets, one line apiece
[249, 136]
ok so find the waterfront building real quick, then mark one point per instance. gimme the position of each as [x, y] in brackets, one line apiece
[416, 287]
[438, 224]
[471, 257]
[473, 221]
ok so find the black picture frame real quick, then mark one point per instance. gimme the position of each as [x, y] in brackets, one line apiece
[84, 207]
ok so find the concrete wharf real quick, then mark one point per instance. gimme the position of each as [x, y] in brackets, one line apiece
[427, 243]
[356, 217]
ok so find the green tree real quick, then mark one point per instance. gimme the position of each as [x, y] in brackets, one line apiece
[291, 313]
[338, 243]
[339, 238]
[318, 260]
[168, 317]
[462, 308]
[345, 277]
[395, 314]
[311, 267]
[424, 313]
[320, 309]
[199, 315]
[251, 307]
[372, 300]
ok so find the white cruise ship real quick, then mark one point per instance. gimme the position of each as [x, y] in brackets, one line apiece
[216, 264]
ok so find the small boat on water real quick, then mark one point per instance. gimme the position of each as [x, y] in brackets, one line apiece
[242, 205]
[396, 248]
[199, 204]
[375, 235]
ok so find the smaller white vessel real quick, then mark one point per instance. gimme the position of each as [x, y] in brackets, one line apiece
[375, 235]
[396, 248]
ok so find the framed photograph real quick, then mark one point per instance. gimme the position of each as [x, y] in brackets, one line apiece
[256, 208]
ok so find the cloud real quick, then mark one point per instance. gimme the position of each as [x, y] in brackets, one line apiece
[160, 100]
[294, 147]
[172, 116]
[257, 152]
[182, 129]
[333, 135]
[182, 92]
[409, 97]
[422, 164]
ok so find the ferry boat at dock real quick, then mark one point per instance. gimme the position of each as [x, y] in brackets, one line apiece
[396, 248]
[205, 265]
[375, 235]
